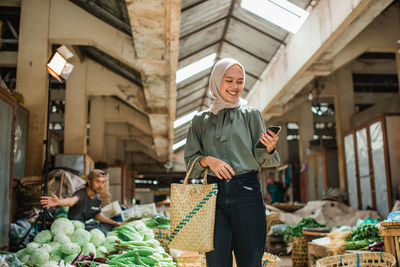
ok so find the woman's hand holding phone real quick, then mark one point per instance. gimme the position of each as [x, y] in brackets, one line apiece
[270, 138]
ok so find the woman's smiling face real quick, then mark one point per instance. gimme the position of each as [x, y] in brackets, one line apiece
[232, 84]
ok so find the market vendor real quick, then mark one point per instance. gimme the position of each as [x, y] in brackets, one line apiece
[276, 191]
[85, 204]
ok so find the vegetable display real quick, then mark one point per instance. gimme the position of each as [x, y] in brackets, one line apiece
[362, 236]
[297, 230]
[65, 240]
[68, 244]
[136, 246]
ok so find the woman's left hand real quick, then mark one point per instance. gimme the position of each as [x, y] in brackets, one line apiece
[269, 140]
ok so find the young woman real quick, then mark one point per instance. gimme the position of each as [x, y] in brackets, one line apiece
[233, 143]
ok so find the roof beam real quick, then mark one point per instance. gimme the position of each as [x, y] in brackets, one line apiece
[342, 20]
[202, 28]
[247, 52]
[201, 49]
[193, 5]
[258, 30]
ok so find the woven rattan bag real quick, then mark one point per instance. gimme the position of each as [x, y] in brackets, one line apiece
[193, 214]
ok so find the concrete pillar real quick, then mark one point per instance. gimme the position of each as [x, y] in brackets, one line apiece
[97, 129]
[344, 109]
[120, 153]
[75, 131]
[32, 77]
[306, 130]
[111, 149]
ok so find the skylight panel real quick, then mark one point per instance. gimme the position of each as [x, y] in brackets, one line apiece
[279, 12]
[196, 67]
[179, 144]
[185, 119]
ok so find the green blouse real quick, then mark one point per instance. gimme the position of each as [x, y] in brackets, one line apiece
[232, 136]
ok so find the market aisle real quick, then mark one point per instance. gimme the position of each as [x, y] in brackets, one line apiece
[286, 261]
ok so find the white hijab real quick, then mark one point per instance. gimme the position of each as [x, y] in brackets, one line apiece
[215, 82]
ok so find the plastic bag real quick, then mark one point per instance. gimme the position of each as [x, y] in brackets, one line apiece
[278, 229]
[17, 231]
[394, 216]
[9, 259]
[368, 220]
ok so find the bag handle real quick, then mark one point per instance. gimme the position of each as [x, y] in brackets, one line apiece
[186, 180]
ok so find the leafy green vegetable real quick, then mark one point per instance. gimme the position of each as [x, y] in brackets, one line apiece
[81, 237]
[62, 239]
[88, 247]
[78, 224]
[297, 230]
[97, 237]
[362, 236]
[70, 248]
[43, 237]
[39, 257]
[63, 226]
[31, 247]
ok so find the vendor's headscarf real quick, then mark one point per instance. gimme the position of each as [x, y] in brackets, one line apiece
[215, 82]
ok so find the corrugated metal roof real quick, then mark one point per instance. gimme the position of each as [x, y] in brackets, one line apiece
[223, 27]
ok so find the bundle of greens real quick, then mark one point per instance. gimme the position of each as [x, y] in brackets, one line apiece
[297, 230]
[135, 245]
[362, 236]
[157, 222]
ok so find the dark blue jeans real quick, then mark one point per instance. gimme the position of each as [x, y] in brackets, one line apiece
[240, 222]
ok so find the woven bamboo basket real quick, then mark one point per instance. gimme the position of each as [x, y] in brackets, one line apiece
[163, 236]
[299, 252]
[390, 233]
[359, 259]
[31, 188]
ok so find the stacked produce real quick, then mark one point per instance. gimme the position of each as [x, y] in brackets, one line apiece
[65, 240]
[297, 230]
[134, 245]
[68, 242]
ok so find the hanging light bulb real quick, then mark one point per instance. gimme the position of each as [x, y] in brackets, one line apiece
[310, 96]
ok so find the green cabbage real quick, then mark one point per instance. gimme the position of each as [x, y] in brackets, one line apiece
[62, 239]
[70, 258]
[97, 237]
[62, 226]
[70, 248]
[39, 257]
[55, 257]
[88, 247]
[25, 258]
[32, 246]
[47, 247]
[43, 237]
[81, 237]
[54, 246]
[50, 264]
[101, 251]
[78, 224]
[21, 253]
[109, 243]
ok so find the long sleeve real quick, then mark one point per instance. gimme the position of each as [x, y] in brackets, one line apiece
[257, 126]
[194, 149]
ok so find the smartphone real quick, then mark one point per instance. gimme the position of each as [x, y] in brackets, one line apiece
[275, 129]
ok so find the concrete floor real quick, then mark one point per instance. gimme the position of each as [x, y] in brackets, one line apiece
[286, 261]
